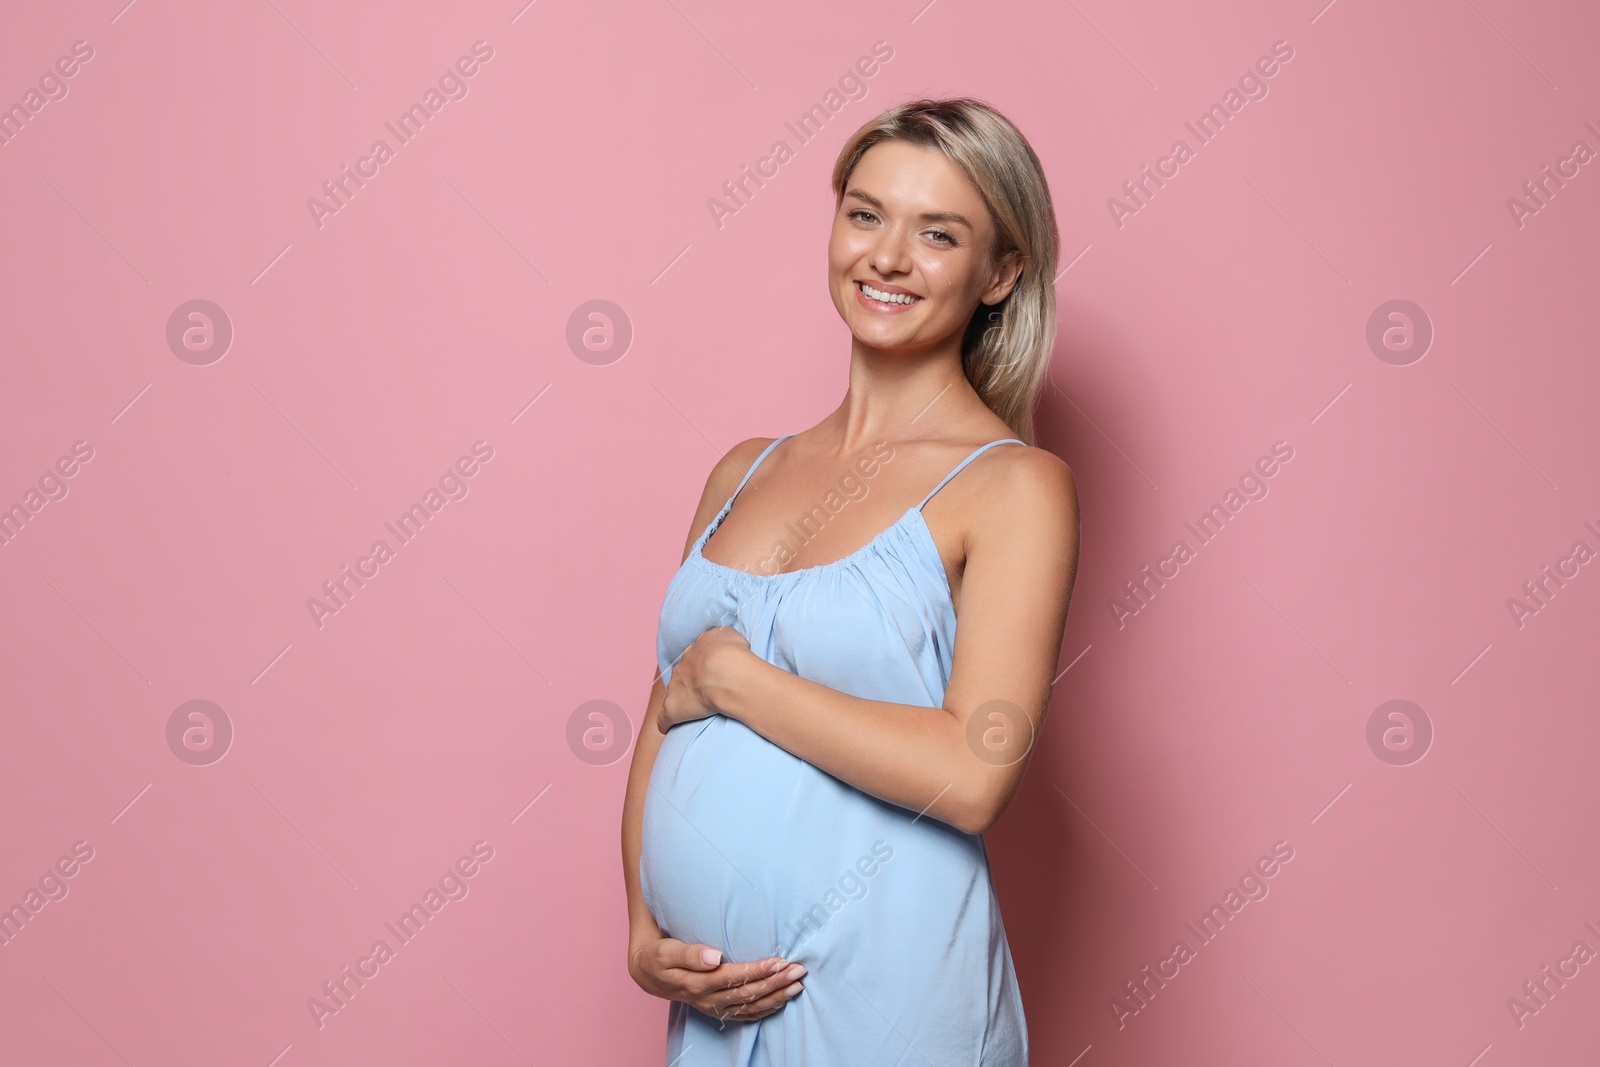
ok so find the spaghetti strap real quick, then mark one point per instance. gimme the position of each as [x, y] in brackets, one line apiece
[757, 463]
[976, 453]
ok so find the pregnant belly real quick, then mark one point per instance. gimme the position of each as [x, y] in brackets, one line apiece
[752, 850]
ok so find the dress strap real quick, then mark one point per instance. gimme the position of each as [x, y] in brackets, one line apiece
[978, 452]
[757, 463]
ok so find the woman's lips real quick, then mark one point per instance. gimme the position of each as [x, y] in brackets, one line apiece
[880, 306]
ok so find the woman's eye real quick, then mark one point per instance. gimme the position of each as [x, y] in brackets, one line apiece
[941, 236]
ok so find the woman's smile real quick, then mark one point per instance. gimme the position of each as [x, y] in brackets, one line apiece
[890, 300]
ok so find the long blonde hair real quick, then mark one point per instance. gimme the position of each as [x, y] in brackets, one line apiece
[1005, 351]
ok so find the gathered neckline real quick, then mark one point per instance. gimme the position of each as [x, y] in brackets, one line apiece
[699, 544]
[913, 512]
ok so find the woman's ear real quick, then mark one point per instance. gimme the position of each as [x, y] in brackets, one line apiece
[1005, 275]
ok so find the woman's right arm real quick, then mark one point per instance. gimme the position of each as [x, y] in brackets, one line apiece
[664, 966]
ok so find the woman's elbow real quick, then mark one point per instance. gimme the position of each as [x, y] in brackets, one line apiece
[980, 810]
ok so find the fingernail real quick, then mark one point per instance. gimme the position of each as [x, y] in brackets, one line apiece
[711, 956]
[795, 972]
[793, 990]
[778, 964]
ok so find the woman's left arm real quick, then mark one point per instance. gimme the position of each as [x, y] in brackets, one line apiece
[960, 763]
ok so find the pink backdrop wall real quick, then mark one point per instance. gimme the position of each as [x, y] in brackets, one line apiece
[219, 481]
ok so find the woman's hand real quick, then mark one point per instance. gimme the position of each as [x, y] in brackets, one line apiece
[699, 672]
[673, 970]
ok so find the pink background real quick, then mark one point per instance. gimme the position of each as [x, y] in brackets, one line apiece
[432, 311]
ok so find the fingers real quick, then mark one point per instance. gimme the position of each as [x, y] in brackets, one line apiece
[739, 974]
[694, 957]
[748, 994]
[760, 1006]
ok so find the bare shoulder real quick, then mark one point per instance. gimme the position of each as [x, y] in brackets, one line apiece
[1029, 498]
[721, 481]
[727, 472]
[1030, 482]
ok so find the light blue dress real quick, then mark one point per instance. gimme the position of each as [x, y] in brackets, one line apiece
[757, 852]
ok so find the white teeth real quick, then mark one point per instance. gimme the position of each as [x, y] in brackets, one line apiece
[888, 298]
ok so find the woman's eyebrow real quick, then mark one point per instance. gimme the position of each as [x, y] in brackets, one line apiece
[926, 216]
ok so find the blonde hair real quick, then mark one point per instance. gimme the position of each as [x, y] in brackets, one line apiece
[1005, 351]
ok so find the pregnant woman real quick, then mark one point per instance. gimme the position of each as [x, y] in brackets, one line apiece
[802, 834]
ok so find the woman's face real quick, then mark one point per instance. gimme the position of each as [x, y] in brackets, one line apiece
[910, 223]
